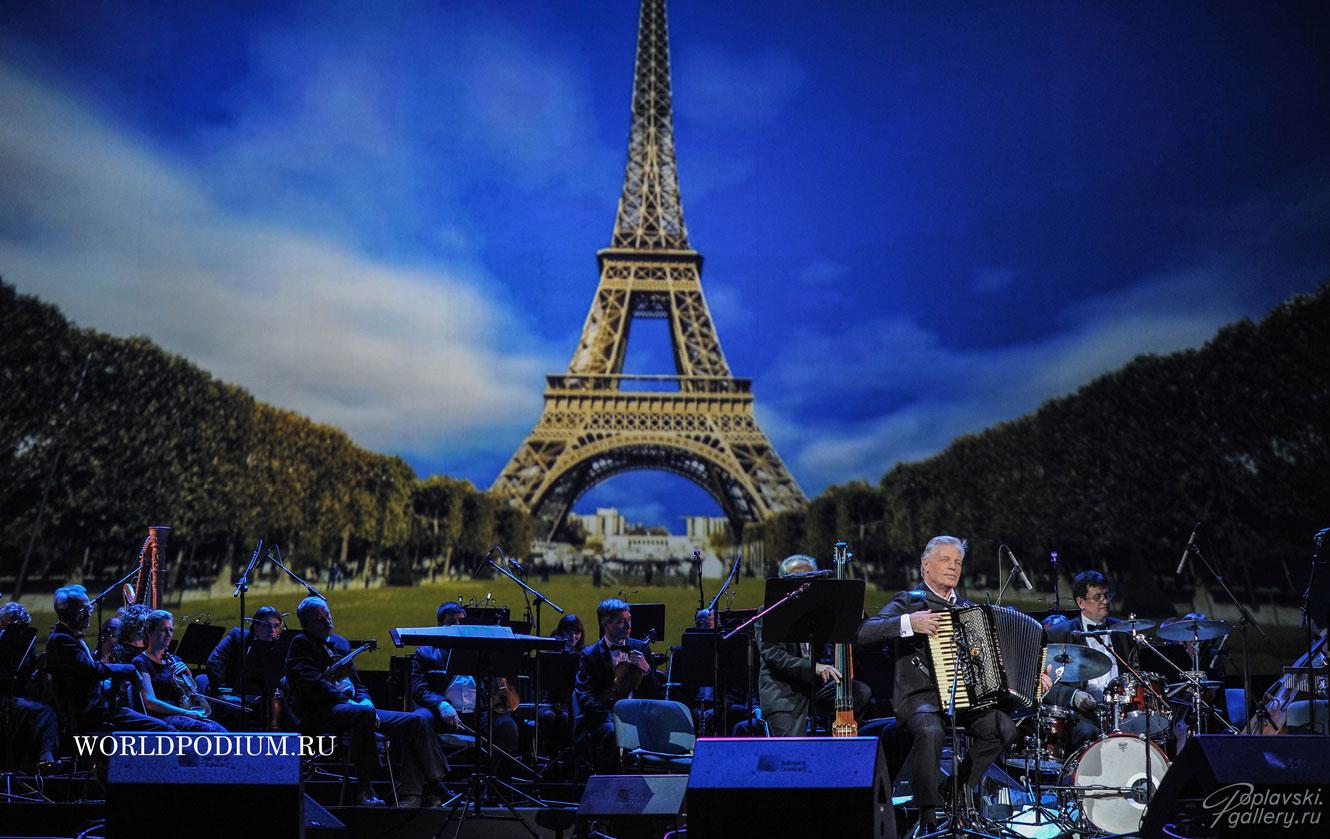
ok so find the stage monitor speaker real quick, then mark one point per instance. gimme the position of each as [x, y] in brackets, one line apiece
[789, 786]
[1223, 785]
[633, 805]
[204, 789]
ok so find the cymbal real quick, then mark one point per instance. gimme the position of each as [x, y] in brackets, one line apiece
[1194, 630]
[1138, 625]
[1079, 663]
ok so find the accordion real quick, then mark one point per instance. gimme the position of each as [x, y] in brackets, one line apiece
[998, 652]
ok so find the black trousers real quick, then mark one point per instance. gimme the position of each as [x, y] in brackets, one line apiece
[411, 735]
[506, 733]
[789, 724]
[987, 734]
[31, 730]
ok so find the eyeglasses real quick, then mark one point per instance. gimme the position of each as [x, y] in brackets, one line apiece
[1101, 597]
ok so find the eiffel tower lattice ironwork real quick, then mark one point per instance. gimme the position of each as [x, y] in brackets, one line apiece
[598, 422]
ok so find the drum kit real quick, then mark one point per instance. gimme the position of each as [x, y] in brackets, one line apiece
[1100, 786]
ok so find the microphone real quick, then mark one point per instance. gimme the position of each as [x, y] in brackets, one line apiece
[1186, 552]
[1029, 586]
[1090, 633]
[514, 563]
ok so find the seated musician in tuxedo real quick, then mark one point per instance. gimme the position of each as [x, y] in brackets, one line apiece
[224, 676]
[615, 667]
[160, 676]
[443, 686]
[906, 621]
[786, 671]
[33, 731]
[338, 703]
[1093, 597]
[85, 686]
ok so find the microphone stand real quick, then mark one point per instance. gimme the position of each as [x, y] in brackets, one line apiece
[97, 601]
[539, 598]
[1247, 620]
[1313, 681]
[721, 700]
[1057, 598]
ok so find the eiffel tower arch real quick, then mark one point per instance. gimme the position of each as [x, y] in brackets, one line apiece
[698, 423]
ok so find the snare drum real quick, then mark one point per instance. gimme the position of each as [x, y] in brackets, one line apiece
[1129, 699]
[1058, 724]
[1114, 768]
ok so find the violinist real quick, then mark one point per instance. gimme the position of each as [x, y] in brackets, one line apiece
[167, 687]
[338, 703]
[615, 667]
[443, 686]
[77, 679]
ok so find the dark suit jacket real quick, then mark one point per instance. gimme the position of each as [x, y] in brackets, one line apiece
[432, 672]
[311, 693]
[1062, 692]
[224, 662]
[783, 680]
[594, 687]
[77, 677]
[913, 690]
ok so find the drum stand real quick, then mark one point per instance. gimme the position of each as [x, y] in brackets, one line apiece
[1042, 815]
[1193, 680]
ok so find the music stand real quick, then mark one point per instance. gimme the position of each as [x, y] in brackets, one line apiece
[705, 659]
[486, 616]
[825, 612]
[198, 642]
[648, 617]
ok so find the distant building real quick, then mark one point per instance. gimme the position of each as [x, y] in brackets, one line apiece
[632, 544]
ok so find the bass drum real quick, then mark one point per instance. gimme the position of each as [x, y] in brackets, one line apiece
[1115, 766]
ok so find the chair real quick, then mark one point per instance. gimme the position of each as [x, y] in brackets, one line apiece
[654, 734]
[291, 716]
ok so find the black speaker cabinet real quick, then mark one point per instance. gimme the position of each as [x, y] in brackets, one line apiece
[633, 805]
[198, 786]
[789, 786]
[1232, 786]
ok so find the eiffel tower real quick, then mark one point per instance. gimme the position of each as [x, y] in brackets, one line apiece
[598, 422]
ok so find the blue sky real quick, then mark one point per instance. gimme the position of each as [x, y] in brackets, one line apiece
[918, 219]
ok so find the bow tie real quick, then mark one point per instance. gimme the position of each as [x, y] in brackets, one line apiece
[1095, 627]
[623, 649]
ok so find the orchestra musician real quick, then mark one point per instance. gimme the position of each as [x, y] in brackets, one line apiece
[555, 716]
[1093, 597]
[33, 728]
[786, 671]
[327, 704]
[615, 667]
[160, 678]
[224, 676]
[77, 678]
[443, 686]
[907, 620]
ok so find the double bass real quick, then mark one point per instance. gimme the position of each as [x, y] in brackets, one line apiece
[844, 725]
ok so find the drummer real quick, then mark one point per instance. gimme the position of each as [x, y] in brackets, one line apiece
[1090, 588]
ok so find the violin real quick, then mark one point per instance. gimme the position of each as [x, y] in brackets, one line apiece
[343, 683]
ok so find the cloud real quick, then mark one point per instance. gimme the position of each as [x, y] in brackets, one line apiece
[719, 86]
[126, 239]
[823, 272]
[943, 392]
